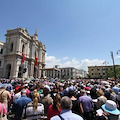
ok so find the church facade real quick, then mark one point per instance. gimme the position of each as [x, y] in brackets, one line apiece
[22, 55]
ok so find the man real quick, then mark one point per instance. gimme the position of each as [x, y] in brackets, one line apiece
[66, 113]
[46, 100]
[4, 96]
[19, 104]
[86, 105]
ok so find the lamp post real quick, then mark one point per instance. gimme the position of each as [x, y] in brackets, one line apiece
[113, 64]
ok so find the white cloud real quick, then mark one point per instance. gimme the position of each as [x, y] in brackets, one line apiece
[64, 58]
[51, 61]
[117, 57]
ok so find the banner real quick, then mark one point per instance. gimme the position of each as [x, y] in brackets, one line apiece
[23, 57]
[36, 61]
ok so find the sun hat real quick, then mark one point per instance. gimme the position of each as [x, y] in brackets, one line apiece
[111, 107]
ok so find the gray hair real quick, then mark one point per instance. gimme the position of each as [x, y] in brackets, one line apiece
[3, 87]
[23, 91]
[66, 103]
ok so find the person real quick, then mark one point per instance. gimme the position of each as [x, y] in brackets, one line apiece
[93, 92]
[75, 102]
[66, 113]
[33, 110]
[118, 100]
[111, 111]
[3, 111]
[113, 95]
[101, 99]
[4, 96]
[54, 109]
[86, 105]
[19, 104]
[46, 100]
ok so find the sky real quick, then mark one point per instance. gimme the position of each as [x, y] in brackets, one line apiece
[76, 33]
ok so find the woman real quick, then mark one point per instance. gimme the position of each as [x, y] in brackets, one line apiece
[34, 110]
[3, 111]
[54, 109]
[75, 102]
[101, 99]
[113, 95]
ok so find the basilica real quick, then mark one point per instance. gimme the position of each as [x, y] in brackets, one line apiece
[22, 55]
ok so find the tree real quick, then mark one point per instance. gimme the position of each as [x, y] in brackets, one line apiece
[110, 72]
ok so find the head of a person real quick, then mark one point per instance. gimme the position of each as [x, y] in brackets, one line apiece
[35, 98]
[111, 107]
[66, 103]
[71, 93]
[83, 92]
[45, 91]
[100, 93]
[23, 92]
[3, 87]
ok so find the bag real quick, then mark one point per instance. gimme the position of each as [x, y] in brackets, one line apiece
[1, 117]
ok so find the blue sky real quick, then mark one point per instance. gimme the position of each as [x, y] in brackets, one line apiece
[77, 33]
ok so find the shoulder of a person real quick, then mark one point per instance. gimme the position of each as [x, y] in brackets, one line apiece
[56, 117]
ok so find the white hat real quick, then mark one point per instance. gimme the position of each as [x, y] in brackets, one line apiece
[111, 107]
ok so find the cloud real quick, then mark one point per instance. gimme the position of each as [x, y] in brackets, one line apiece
[64, 58]
[51, 61]
[117, 57]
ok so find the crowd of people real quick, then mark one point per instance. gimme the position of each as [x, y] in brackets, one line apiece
[85, 99]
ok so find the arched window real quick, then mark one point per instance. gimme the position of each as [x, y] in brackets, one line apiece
[23, 47]
[11, 47]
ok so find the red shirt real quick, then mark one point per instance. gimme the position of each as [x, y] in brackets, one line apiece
[52, 112]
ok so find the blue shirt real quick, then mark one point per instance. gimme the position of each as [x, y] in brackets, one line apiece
[67, 115]
[19, 104]
[87, 102]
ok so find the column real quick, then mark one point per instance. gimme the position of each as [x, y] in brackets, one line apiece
[31, 69]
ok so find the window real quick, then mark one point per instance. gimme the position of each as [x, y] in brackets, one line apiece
[11, 47]
[23, 47]
[92, 73]
[92, 69]
[1, 51]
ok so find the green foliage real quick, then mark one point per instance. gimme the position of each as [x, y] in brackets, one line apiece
[110, 72]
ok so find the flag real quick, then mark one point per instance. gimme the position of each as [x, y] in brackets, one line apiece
[36, 61]
[23, 57]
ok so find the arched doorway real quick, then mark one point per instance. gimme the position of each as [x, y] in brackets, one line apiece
[8, 70]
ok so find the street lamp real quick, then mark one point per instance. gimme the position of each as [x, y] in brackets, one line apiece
[113, 64]
[118, 51]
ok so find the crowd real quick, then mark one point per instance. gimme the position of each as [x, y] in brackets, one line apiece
[59, 100]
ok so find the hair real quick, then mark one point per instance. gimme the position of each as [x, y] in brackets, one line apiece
[23, 91]
[35, 100]
[66, 103]
[45, 91]
[100, 92]
[71, 93]
[56, 102]
[3, 87]
[111, 91]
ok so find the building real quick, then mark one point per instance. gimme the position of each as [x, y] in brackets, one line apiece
[82, 73]
[62, 73]
[2, 53]
[22, 55]
[99, 71]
